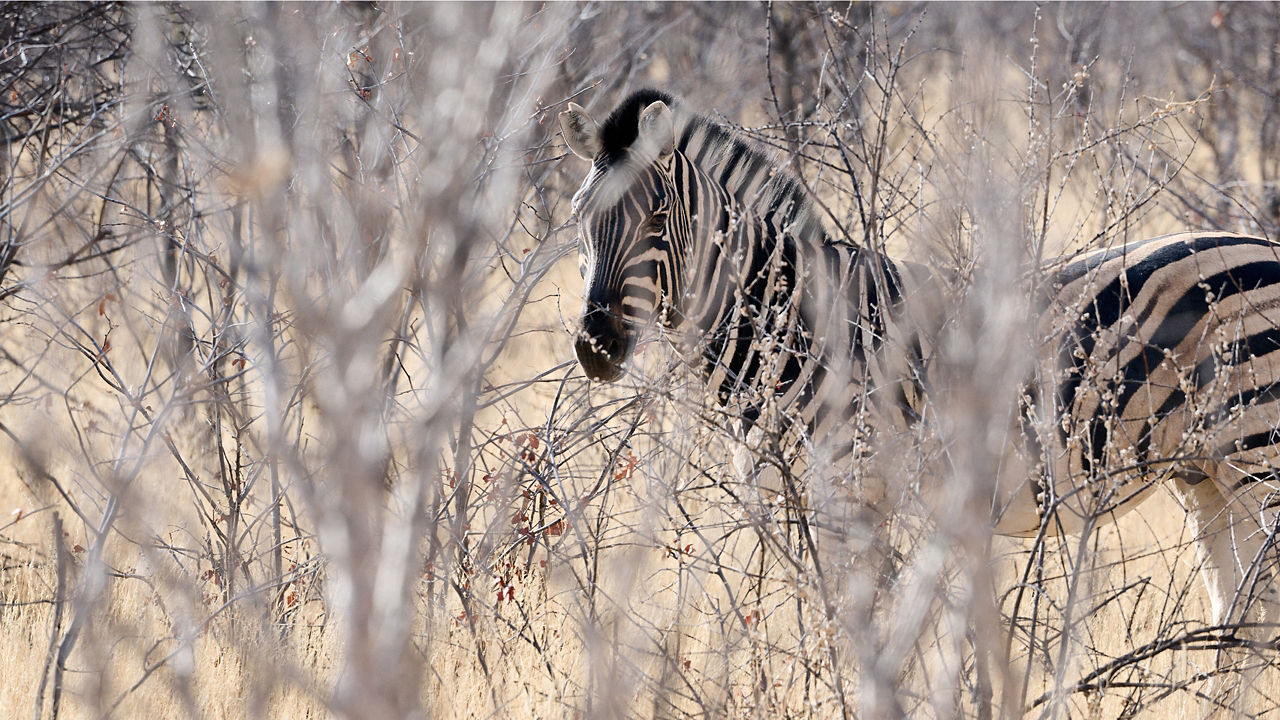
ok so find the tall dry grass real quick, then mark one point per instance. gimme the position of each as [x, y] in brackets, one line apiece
[293, 424]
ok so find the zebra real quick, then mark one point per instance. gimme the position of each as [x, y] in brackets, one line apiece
[1163, 360]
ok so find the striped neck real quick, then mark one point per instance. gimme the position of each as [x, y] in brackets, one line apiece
[771, 304]
[750, 177]
[743, 216]
[743, 298]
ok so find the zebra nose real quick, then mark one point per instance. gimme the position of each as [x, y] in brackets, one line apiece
[601, 345]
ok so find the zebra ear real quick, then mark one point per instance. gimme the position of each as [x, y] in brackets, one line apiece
[657, 129]
[581, 133]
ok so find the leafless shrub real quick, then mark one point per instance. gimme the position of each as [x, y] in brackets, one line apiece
[293, 418]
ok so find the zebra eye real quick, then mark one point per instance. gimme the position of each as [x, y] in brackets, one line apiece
[656, 223]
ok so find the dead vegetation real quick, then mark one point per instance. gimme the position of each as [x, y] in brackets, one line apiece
[294, 429]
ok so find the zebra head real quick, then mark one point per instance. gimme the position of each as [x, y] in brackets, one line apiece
[628, 212]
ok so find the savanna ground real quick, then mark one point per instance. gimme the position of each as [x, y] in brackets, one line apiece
[291, 425]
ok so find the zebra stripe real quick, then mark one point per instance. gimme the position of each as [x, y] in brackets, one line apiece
[1163, 355]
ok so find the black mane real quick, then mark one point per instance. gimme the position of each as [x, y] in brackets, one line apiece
[723, 147]
[621, 128]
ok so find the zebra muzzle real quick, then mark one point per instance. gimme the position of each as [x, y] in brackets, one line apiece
[602, 345]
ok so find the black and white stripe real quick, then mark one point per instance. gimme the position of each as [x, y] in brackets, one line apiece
[1163, 356]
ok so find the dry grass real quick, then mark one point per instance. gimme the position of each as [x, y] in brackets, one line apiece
[290, 416]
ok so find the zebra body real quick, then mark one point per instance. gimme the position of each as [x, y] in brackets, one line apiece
[1161, 361]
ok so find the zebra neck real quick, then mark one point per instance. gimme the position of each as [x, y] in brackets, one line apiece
[729, 245]
[776, 312]
[771, 306]
[744, 301]
[748, 175]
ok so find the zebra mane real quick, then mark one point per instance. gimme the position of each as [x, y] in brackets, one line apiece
[717, 148]
[622, 127]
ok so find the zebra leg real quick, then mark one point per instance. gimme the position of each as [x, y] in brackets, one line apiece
[802, 501]
[1210, 526]
[1234, 530]
[1235, 524]
[758, 472]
